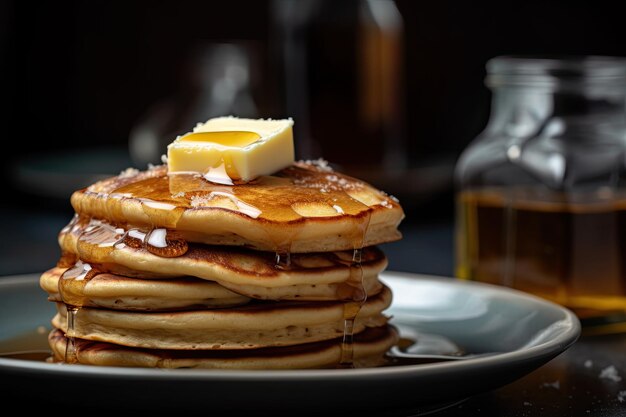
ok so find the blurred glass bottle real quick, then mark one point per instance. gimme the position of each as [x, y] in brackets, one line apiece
[343, 71]
[541, 201]
[217, 80]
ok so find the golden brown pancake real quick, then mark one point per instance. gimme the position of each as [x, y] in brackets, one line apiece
[174, 271]
[321, 276]
[302, 209]
[254, 325]
[124, 293]
[368, 350]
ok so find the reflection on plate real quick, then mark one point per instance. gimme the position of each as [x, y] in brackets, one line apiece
[520, 333]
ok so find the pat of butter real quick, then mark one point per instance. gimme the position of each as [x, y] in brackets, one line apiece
[229, 149]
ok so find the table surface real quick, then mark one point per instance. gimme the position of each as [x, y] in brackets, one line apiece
[589, 379]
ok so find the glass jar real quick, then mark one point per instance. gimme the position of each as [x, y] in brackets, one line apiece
[541, 192]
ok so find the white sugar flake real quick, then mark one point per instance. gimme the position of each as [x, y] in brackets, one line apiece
[200, 201]
[555, 385]
[610, 372]
[320, 163]
[128, 172]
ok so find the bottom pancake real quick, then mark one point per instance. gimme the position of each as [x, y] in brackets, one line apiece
[369, 348]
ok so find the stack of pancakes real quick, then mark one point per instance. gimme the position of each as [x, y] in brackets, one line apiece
[174, 271]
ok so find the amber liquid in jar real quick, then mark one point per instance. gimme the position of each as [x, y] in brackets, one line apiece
[570, 249]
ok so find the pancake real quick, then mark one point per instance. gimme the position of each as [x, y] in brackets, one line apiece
[255, 325]
[304, 208]
[320, 276]
[172, 270]
[369, 348]
[124, 293]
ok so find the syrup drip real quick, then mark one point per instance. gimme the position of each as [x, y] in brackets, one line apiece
[283, 255]
[71, 285]
[357, 296]
[283, 260]
[71, 354]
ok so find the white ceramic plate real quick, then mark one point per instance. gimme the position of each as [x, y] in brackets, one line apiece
[521, 331]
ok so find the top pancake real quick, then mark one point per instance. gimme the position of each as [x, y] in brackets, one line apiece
[304, 208]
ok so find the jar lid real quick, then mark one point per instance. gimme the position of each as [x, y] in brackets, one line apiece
[556, 72]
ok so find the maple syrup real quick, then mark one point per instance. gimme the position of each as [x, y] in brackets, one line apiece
[70, 348]
[71, 285]
[565, 248]
[277, 198]
[357, 294]
[165, 243]
[289, 197]
[32, 345]
[283, 260]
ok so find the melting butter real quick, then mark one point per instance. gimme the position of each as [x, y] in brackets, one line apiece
[230, 150]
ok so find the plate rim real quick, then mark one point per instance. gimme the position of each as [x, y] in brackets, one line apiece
[548, 349]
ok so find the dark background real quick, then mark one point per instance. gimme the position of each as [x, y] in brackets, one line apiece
[78, 77]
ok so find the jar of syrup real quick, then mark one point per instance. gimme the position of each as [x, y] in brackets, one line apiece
[541, 192]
